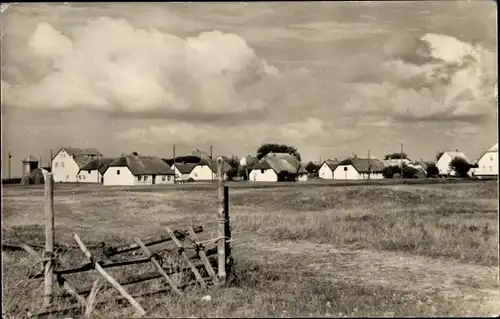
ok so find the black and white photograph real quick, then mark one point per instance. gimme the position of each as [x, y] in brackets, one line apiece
[249, 159]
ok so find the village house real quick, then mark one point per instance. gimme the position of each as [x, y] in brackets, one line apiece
[92, 171]
[182, 171]
[276, 167]
[206, 170]
[67, 162]
[303, 174]
[327, 168]
[359, 168]
[138, 170]
[443, 163]
[487, 164]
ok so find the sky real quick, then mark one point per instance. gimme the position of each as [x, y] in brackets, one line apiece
[331, 78]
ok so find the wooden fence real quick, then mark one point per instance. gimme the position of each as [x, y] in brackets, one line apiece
[208, 265]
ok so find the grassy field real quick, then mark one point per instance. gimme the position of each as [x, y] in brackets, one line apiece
[299, 251]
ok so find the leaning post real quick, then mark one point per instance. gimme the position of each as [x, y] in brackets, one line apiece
[49, 239]
[222, 221]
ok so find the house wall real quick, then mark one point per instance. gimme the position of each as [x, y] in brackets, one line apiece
[203, 173]
[443, 164]
[124, 177]
[64, 168]
[373, 175]
[325, 172]
[265, 175]
[487, 165]
[346, 172]
[85, 177]
[169, 179]
[302, 178]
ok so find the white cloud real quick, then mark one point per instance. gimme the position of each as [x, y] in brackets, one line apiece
[453, 80]
[109, 65]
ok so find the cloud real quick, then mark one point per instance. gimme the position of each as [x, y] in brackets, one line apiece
[305, 135]
[110, 66]
[434, 78]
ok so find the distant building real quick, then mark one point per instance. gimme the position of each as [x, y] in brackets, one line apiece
[327, 168]
[206, 170]
[359, 168]
[138, 170]
[487, 164]
[67, 162]
[92, 172]
[183, 170]
[275, 167]
[443, 163]
[302, 174]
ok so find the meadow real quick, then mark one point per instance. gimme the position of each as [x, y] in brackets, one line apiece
[299, 251]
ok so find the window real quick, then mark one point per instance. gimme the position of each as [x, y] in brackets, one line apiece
[145, 178]
[79, 177]
[163, 178]
[88, 171]
[262, 171]
[117, 172]
[139, 178]
[195, 174]
[169, 178]
[56, 164]
[84, 177]
[345, 169]
[491, 158]
[62, 164]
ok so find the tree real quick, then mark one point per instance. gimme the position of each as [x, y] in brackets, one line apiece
[410, 172]
[432, 170]
[460, 166]
[397, 155]
[235, 165]
[312, 168]
[264, 149]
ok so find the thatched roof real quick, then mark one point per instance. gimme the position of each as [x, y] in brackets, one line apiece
[78, 152]
[362, 165]
[143, 165]
[212, 164]
[279, 162]
[97, 163]
[185, 168]
[302, 170]
[30, 158]
[332, 164]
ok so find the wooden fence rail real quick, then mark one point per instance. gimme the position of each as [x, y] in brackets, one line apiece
[195, 254]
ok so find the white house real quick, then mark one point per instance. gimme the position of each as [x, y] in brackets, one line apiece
[67, 162]
[275, 167]
[326, 169]
[302, 174]
[487, 164]
[92, 171]
[359, 168]
[443, 163]
[138, 170]
[206, 170]
[182, 171]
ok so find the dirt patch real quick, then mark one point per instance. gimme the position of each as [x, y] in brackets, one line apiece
[475, 287]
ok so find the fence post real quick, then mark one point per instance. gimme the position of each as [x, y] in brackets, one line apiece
[49, 239]
[221, 222]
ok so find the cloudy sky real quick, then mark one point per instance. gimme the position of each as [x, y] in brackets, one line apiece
[332, 78]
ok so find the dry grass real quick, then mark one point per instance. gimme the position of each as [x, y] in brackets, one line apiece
[310, 250]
